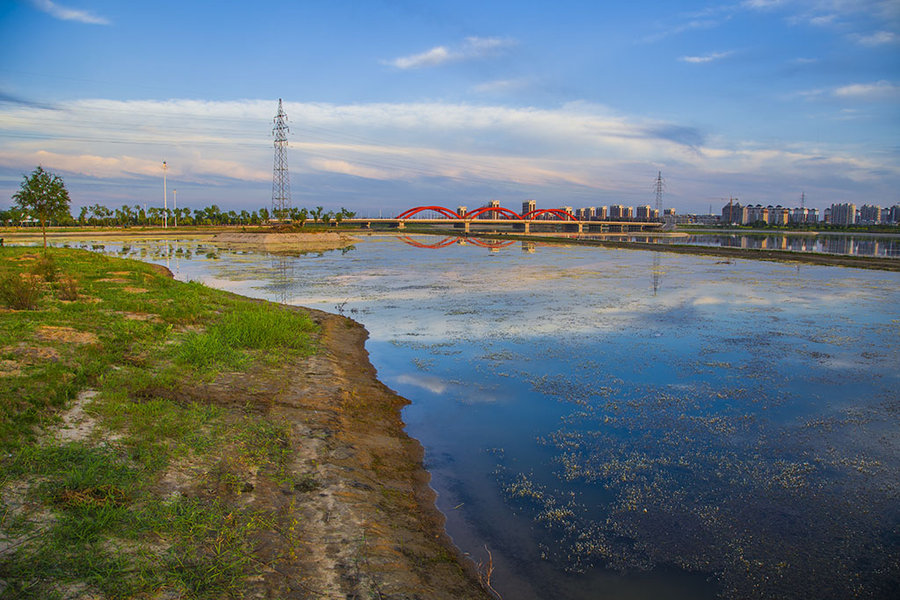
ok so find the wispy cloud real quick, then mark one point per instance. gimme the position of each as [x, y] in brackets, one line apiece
[708, 58]
[762, 4]
[691, 25]
[68, 14]
[879, 38]
[880, 90]
[500, 86]
[579, 152]
[472, 48]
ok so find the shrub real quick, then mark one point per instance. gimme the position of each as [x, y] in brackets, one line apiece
[45, 268]
[20, 291]
[67, 289]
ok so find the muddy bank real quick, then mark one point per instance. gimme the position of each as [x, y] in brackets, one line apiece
[285, 242]
[366, 524]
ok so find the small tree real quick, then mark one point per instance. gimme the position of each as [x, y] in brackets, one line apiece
[44, 195]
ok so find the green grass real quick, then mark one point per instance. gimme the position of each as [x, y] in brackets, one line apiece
[88, 516]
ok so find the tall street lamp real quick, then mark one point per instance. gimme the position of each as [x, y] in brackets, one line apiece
[165, 198]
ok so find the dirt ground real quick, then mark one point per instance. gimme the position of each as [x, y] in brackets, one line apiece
[285, 242]
[366, 521]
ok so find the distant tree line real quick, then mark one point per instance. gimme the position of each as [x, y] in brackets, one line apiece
[136, 216]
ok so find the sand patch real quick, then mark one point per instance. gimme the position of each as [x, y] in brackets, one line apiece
[31, 355]
[134, 290]
[77, 424]
[133, 316]
[286, 242]
[66, 335]
[114, 280]
[9, 368]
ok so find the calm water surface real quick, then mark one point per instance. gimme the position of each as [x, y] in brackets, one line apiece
[627, 424]
[883, 246]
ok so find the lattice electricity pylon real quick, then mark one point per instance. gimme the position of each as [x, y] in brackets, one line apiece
[660, 186]
[281, 179]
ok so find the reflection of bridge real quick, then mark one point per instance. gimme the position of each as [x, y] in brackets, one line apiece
[497, 216]
[656, 270]
[449, 241]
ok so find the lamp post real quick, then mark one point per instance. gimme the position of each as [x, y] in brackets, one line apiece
[165, 199]
[175, 206]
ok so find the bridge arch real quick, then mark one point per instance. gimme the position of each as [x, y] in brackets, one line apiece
[560, 215]
[450, 214]
[505, 212]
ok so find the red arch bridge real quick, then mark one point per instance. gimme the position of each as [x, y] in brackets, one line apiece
[495, 217]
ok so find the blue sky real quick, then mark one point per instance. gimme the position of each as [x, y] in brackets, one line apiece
[397, 103]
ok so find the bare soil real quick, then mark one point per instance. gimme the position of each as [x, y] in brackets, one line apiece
[286, 242]
[357, 504]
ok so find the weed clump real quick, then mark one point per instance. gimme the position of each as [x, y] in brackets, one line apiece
[20, 291]
[45, 268]
[67, 289]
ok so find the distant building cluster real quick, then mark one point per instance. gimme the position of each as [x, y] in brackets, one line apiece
[616, 212]
[867, 214]
[734, 213]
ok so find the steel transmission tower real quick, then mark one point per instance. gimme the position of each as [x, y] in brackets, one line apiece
[660, 186]
[281, 179]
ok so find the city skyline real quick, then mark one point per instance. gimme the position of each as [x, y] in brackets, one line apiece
[395, 104]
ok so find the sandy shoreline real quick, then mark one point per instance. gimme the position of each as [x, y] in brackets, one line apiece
[285, 242]
[375, 500]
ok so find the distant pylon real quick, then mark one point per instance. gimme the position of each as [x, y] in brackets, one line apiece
[660, 186]
[281, 179]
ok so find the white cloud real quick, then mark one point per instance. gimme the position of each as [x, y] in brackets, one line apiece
[690, 25]
[346, 168]
[879, 38]
[762, 4]
[68, 14]
[430, 58]
[579, 150]
[472, 48]
[707, 58]
[500, 86]
[880, 90]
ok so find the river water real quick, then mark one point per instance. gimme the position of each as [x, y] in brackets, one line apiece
[626, 424]
[876, 245]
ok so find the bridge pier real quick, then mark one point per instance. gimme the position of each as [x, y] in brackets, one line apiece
[467, 226]
[401, 224]
[527, 227]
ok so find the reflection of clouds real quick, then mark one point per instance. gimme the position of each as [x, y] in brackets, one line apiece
[433, 384]
[477, 398]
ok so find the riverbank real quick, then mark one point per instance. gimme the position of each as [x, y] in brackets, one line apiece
[838, 260]
[146, 452]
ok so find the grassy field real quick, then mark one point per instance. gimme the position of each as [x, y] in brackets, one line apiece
[98, 357]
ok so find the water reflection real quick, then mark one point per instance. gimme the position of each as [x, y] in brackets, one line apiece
[721, 429]
[452, 240]
[887, 246]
